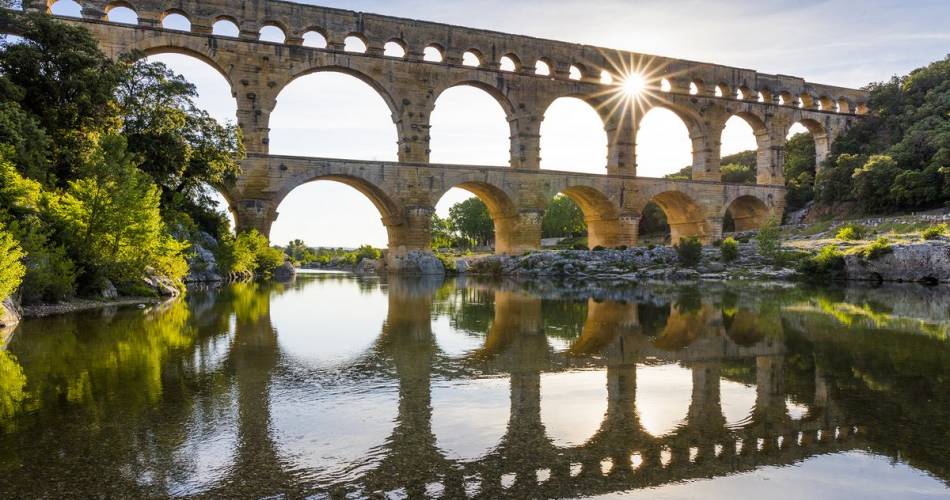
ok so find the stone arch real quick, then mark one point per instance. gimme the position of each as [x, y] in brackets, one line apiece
[433, 52]
[226, 26]
[391, 213]
[316, 38]
[501, 207]
[506, 107]
[275, 25]
[473, 58]
[510, 62]
[372, 82]
[173, 14]
[544, 67]
[747, 212]
[170, 45]
[655, 157]
[821, 137]
[120, 5]
[605, 228]
[66, 8]
[684, 215]
[763, 144]
[356, 43]
[396, 47]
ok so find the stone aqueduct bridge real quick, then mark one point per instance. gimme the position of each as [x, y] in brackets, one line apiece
[703, 95]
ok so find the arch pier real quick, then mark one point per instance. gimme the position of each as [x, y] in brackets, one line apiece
[534, 74]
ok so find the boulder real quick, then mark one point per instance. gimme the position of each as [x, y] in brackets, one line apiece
[368, 266]
[162, 285]
[915, 262]
[286, 272]
[108, 291]
[9, 318]
[415, 263]
[202, 264]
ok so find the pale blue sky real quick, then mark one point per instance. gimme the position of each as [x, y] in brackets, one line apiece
[837, 42]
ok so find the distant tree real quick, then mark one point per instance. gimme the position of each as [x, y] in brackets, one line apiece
[653, 220]
[472, 220]
[563, 218]
[872, 183]
[443, 233]
[737, 173]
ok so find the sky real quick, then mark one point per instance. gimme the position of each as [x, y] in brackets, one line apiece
[838, 42]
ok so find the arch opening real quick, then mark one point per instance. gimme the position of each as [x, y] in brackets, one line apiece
[395, 48]
[176, 21]
[66, 8]
[333, 113]
[573, 137]
[119, 13]
[575, 73]
[472, 58]
[654, 229]
[542, 68]
[593, 213]
[683, 215]
[225, 27]
[273, 34]
[314, 39]
[665, 85]
[509, 63]
[479, 217]
[606, 77]
[745, 213]
[802, 159]
[214, 90]
[664, 147]
[469, 126]
[433, 53]
[354, 43]
[354, 203]
[743, 149]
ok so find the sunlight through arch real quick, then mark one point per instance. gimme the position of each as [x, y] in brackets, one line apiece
[663, 144]
[573, 137]
[737, 136]
[469, 127]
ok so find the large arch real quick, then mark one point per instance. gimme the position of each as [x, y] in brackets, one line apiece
[602, 216]
[745, 213]
[470, 125]
[746, 131]
[300, 204]
[664, 144]
[818, 133]
[215, 94]
[501, 209]
[573, 137]
[334, 112]
[684, 216]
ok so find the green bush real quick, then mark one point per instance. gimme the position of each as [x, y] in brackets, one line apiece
[826, 264]
[50, 274]
[448, 262]
[934, 232]
[689, 251]
[769, 239]
[730, 249]
[249, 253]
[878, 249]
[850, 232]
[11, 264]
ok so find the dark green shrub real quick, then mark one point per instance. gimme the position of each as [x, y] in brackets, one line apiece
[730, 249]
[689, 251]
[828, 263]
[769, 239]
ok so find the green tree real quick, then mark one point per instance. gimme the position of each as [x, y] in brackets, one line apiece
[443, 234]
[835, 179]
[769, 239]
[11, 264]
[737, 173]
[563, 218]
[182, 148]
[872, 183]
[799, 171]
[473, 222]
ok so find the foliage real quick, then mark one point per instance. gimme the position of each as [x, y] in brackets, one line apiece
[897, 157]
[828, 263]
[769, 239]
[879, 248]
[653, 220]
[737, 173]
[11, 265]
[850, 232]
[299, 253]
[934, 232]
[689, 251]
[248, 254]
[50, 273]
[730, 249]
[472, 221]
[799, 171]
[444, 234]
[563, 219]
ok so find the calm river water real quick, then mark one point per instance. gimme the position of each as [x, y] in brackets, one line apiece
[342, 387]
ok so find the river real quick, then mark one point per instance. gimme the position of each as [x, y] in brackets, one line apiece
[335, 386]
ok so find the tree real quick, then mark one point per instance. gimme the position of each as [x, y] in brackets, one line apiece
[737, 173]
[872, 183]
[473, 222]
[11, 264]
[182, 148]
[834, 181]
[563, 218]
[443, 233]
[799, 171]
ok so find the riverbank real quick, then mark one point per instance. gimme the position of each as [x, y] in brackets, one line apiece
[77, 305]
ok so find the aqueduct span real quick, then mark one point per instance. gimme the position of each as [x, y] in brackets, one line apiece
[435, 57]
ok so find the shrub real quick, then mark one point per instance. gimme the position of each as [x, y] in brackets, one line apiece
[879, 248]
[826, 264]
[50, 274]
[11, 265]
[689, 251]
[730, 249]
[769, 239]
[448, 262]
[934, 232]
[850, 232]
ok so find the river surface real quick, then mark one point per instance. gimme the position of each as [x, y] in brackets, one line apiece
[341, 387]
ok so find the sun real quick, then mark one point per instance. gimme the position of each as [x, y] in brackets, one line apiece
[634, 84]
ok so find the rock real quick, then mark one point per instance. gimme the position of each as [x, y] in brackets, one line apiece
[917, 262]
[162, 285]
[202, 264]
[685, 275]
[286, 272]
[416, 263]
[9, 318]
[108, 291]
[368, 266]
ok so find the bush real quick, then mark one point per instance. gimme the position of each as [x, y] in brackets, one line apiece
[879, 248]
[50, 274]
[934, 232]
[769, 239]
[448, 262]
[850, 232]
[11, 265]
[249, 253]
[730, 249]
[827, 264]
[689, 251]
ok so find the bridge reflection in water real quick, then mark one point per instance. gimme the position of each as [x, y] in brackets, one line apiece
[719, 335]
